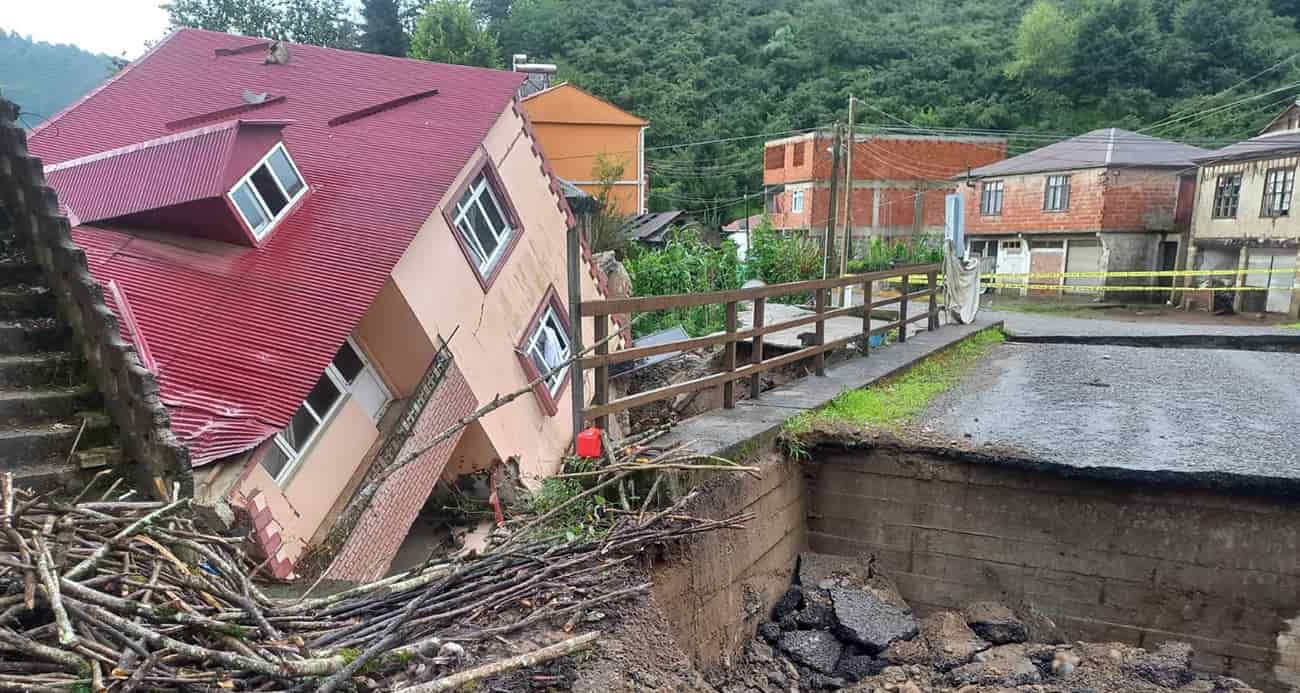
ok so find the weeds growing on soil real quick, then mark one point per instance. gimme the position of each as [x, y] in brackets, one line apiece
[895, 400]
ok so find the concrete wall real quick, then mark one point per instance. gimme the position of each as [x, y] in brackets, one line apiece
[716, 588]
[443, 292]
[1249, 223]
[1109, 560]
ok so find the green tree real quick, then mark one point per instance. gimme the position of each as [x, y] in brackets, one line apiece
[1044, 44]
[382, 31]
[450, 31]
[317, 22]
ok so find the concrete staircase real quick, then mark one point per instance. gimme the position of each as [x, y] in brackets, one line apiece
[51, 424]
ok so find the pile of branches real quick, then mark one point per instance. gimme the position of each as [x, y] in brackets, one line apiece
[102, 592]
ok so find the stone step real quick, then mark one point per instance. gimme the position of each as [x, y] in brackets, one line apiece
[20, 447]
[32, 406]
[17, 302]
[97, 458]
[53, 474]
[45, 369]
[16, 271]
[32, 335]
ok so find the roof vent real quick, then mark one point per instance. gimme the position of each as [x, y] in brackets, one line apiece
[278, 54]
[252, 99]
[539, 75]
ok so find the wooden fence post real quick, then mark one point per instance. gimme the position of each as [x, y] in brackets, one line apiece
[932, 281]
[578, 392]
[866, 318]
[756, 351]
[819, 361]
[902, 310]
[601, 394]
[729, 359]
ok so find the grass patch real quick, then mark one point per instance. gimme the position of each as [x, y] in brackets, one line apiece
[1291, 326]
[900, 398]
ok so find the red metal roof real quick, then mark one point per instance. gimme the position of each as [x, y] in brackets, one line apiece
[240, 334]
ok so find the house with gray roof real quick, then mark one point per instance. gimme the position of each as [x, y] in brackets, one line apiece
[1243, 221]
[1109, 200]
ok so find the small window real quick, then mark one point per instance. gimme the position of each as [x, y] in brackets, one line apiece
[1046, 245]
[267, 191]
[483, 225]
[774, 157]
[548, 347]
[1011, 247]
[349, 374]
[1227, 193]
[1056, 197]
[991, 198]
[796, 202]
[1278, 186]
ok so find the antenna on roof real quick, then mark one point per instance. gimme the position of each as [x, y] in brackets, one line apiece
[278, 54]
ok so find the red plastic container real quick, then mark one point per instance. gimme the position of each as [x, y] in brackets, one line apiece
[589, 443]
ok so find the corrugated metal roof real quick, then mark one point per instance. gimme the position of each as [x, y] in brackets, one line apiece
[1262, 147]
[159, 173]
[652, 227]
[1096, 149]
[241, 334]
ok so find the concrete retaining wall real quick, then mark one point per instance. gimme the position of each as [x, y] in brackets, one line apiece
[716, 589]
[1109, 560]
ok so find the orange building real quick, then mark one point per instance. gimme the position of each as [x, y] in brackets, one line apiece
[574, 127]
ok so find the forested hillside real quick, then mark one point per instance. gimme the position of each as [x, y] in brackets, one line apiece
[703, 69]
[43, 77]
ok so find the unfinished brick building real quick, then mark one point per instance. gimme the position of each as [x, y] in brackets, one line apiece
[898, 180]
[1107, 200]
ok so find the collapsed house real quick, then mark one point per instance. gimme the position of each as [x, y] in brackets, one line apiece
[290, 235]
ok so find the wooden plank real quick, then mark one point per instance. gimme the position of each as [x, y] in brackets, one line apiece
[819, 362]
[917, 318]
[708, 381]
[932, 281]
[866, 318]
[729, 358]
[646, 304]
[601, 395]
[709, 340]
[902, 311]
[756, 349]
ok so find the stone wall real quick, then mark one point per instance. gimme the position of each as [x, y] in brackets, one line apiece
[717, 587]
[1126, 560]
[130, 390]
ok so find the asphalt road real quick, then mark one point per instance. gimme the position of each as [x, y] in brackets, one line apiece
[1187, 410]
[1040, 324]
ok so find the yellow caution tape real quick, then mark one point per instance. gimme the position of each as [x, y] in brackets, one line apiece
[1102, 287]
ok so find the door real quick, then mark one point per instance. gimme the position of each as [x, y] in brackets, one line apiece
[1012, 259]
[1273, 270]
[1082, 256]
[1046, 257]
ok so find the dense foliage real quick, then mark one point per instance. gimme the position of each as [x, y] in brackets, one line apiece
[882, 253]
[685, 265]
[449, 31]
[382, 30]
[42, 77]
[320, 22]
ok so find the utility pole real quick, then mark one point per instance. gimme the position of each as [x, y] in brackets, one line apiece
[747, 238]
[828, 245]
[847, 247]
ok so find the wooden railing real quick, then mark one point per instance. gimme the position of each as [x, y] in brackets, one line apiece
[602, 406]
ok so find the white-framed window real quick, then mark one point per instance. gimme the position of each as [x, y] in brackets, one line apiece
[548, 347]
[266, 191]
[348, 375]
[991, 198]
[1056, 194]
[1278, 186]
[796, 202]
[483, 224]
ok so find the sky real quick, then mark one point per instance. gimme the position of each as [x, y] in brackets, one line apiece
[119, 28]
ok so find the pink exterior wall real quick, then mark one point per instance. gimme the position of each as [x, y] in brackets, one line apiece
[300, 507]
[444, 293]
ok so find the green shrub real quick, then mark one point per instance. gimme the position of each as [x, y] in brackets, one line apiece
[882, 254]
[777, 258]
[685, 265]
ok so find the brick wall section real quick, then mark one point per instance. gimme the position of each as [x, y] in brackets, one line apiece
[706, 583]
[1100, 200]
[379, 533]
[1108, 560]
[130, 391]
